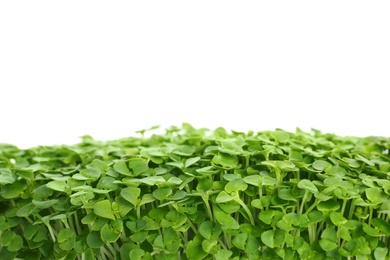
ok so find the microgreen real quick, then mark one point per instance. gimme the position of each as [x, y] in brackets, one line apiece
[198, 194]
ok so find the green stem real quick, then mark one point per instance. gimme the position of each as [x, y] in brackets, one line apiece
[303, 202]
[78, 228]
[312, 207]
[209, 212]
[112, 250]
[343, 206]
[53, 237]
[138, 208]
[351, 210]
[246, 210]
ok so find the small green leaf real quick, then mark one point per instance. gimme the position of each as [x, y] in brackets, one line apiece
[131, 194]
[223, 197]
[103, 209]
[380, 253]
[329, 205]
[239, 240]
[65, 234]
[308, 186]
[138, 166]
[273, 238]
[254, 180]
[99, 164]
[14, 190]
[162, 193]
[191, 161]
[327, 245]
[226, 220]
[329, 234]
[321, 165]
[206, 229]
[121, 167]
[266, 216]
[6, 237]
[57, 185]
[236, 185]
[91, 173]
[223, 254]
[226, 161]
[16, 244]
[337, 218]
[382, 225]
[194, 252]
[376, 196]
[280, 136]
[94, 240]
[6, 176]
[108, 234]
[136, 254]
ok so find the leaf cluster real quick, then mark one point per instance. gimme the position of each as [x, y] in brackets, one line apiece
[198, 194]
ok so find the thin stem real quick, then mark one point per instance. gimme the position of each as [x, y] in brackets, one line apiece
[246, 210]
[312, 207]
[303, 202]
[209, 212]
[343, 206]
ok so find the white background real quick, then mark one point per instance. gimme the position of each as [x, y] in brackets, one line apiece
[108, 68]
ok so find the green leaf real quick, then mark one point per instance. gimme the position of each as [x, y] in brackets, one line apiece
[14, 190]
[223, 254]
[308, 186]
[267, 216]
[194, 252]
[280, 136]
[16, 244]
[376, 196]
[254, 180]
[239, 240]
[226, 161]
[138, 166]
[6, 176]
[329, 234]
[91, 173]
[223, 197]
[162, 193]
[224, 219]
[382, 225]
[6, 237]
[121, 167]
[380, 253]
[131, 194]
[99, 164]
[329, 205]
[108, 234]
[191, 161]
[94, 240]
[285, 194]
[107, 183]
[329, 239]
[206, 229]
[321, 165]
[136, 254]
[103, 209]
[273, 238]
[236, 185]
[337, 218]
[57, 185]
[65, 234]
[327, 245]
[44, 204]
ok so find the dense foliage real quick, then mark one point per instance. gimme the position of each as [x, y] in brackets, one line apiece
[198, 194]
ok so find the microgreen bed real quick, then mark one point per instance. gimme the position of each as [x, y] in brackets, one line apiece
[198, 194]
